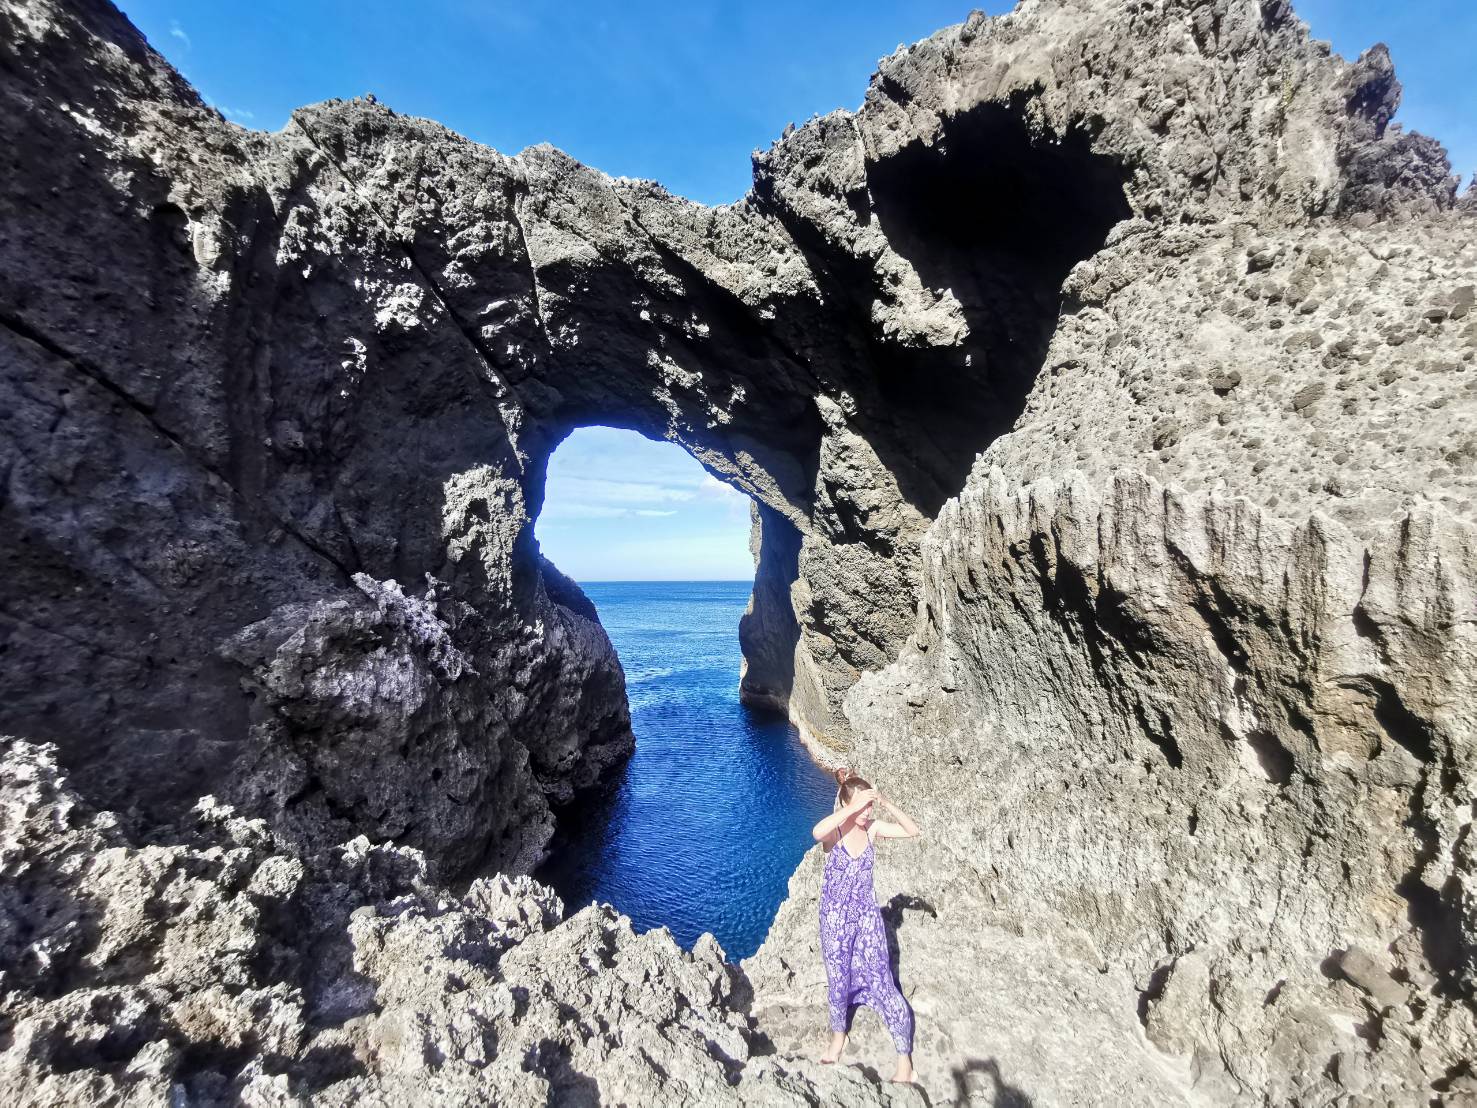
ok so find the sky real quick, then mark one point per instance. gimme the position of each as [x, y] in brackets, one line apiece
[680, 91]
[619, 507]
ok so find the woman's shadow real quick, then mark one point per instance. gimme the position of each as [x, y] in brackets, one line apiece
[967, 1085]
[892, 919]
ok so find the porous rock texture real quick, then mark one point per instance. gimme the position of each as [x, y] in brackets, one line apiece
[1105, 388]
[236, 970]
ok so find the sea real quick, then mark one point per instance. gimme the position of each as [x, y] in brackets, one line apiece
[713, 812]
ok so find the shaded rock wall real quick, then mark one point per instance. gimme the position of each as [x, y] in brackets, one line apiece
[293, 566]
[768, 631]
[1104, 388]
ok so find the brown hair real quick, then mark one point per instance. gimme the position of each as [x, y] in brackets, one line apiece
[850, 783]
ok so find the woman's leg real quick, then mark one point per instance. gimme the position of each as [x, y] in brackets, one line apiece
[903, 1075]
[896, 1014]
[836, 954]
[838, 1044]
[838, 1002]
[884, 995]
[898, 1017]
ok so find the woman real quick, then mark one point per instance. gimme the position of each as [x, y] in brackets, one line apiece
[853, 941]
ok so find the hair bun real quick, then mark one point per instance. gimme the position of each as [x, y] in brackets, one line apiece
[841, 773]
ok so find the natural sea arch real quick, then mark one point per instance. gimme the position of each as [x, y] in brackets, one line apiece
[367, 337]
[850, 405]
[701, 829]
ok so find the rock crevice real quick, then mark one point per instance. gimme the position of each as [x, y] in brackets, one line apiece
[1104, 389]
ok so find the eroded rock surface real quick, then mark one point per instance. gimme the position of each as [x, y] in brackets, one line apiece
[235, 970]
[1007, 1012]
[1223, 752]
[1105, 388]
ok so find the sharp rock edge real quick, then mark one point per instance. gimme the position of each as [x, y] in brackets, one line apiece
[1105, 389]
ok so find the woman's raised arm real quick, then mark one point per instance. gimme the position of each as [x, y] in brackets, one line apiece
[838, 817]
[904, 828]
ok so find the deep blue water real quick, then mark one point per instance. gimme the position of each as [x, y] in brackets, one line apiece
[715, 808]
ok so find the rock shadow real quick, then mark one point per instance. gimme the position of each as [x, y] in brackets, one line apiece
[996, 210]
[568, 1087]
[970, 1084]
[768, 630]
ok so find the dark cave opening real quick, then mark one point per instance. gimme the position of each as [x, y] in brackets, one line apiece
[998, 213]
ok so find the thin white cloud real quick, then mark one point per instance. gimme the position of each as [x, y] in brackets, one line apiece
[565, 509]
[704, 556]
[579, 487]
[235, 113]
[734, 503]
[580, 510]
[176, 31]
[621, 507]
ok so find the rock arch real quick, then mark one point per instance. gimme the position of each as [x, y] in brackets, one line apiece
[380, 331]
[1142, 562]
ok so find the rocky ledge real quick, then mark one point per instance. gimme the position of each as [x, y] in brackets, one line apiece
[1106, 388]
[236, 970]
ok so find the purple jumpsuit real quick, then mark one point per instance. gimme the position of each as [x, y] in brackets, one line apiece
[854, 946]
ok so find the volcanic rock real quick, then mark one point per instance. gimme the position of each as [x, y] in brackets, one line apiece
[1172, 661]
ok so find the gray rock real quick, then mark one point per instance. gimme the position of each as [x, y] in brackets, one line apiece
[1169, 769]
[1308, 395]
[1223, 383]
[336, 978]
[277, 410]
[1363, 971]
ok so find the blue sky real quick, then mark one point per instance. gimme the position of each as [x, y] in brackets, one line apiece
[1434, 44]
[676, 90]
[618, 507]
[680, 91]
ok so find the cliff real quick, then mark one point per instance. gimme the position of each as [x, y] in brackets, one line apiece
[1104, 386]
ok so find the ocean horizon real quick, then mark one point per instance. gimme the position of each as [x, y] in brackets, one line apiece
[666, 581]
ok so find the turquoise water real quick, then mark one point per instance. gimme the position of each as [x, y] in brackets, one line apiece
[715, 808]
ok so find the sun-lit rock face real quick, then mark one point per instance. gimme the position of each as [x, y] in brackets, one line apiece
[1105, 388]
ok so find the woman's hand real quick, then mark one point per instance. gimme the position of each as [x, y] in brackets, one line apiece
[821, 831]
[881, 802]
[900, 826]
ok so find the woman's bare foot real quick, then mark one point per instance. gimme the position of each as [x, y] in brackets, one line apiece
[903, 1075]
[833, 1052]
